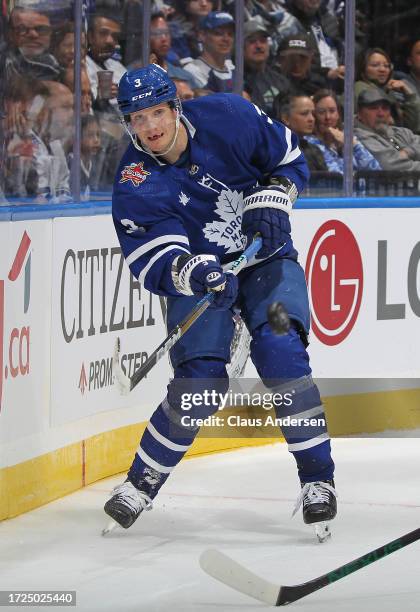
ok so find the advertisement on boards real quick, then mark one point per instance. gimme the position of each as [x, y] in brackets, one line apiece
[363, 277]
[95, 301]
[25, 312]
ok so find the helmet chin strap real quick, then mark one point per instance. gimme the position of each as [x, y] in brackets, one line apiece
[144, 149]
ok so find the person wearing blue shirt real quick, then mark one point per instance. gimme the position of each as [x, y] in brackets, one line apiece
[329, 138]
[195, 185]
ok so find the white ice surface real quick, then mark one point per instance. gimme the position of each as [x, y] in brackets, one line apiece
[240, 503]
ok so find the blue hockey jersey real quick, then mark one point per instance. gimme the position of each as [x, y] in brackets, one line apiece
[195, 206]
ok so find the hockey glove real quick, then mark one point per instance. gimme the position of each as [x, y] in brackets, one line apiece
[199, 274]
[266, 210]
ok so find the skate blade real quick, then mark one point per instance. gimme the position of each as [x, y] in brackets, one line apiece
[322, 531]
[112, 525]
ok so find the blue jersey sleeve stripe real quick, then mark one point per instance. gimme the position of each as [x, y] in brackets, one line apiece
[149, 246]
[159, 254]
[288, 136]
[291, 157]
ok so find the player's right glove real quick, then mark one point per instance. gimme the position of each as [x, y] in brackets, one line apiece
[199, 274]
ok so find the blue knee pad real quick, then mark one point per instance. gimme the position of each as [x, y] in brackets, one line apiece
[196, 387]
[279, 358]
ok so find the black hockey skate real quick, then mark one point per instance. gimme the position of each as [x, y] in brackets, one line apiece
[319, 501]
[319, 506]
[126, 504]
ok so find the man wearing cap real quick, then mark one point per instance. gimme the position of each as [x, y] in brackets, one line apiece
[396, 148]
[312, 17]
[213, 69]
[294, 60]
[262, 82]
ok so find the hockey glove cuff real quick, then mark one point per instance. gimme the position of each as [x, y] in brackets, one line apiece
[198, 274]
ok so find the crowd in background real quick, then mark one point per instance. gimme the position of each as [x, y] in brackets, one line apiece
[293, 70]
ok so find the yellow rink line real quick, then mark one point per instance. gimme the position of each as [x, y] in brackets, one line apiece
[30, 484]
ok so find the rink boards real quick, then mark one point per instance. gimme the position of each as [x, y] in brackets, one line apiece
[66, 294]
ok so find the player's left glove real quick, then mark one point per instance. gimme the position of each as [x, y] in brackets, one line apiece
[267, 210]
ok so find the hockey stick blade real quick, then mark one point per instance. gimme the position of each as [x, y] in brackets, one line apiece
[122, 381]
[233, 574]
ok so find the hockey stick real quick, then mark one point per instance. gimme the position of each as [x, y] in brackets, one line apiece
[127, 384]
[235, 575]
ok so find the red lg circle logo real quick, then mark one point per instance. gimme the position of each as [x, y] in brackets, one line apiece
[334, 273]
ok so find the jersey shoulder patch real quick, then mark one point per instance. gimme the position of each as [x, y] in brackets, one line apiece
[135, 173]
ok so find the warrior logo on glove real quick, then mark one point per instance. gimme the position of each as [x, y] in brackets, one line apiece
[266, 211]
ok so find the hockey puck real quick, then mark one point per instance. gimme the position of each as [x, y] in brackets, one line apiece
[278, 319]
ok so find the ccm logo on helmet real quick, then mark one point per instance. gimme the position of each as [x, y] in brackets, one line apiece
[143, 95]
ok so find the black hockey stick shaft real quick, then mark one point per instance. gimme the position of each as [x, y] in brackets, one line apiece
[288, 594]
[180, 329]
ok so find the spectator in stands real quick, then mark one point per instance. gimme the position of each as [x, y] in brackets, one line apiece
[184, 28]
[184, 90]
[104, 32]
[40, 168]
[270, 12]
[375, 71]
[213, 69]
[103, 37]
[294, 60]
[298, 114]
[262, 82]
[24, 99]
[90, 147]
[413, 62]
[160, 44]
[58, 124]
[62, 45]
[29, 43]
[86, 97]
[329, 136]
[396, 148]
[311, 17]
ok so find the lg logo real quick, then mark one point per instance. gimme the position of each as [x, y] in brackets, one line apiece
[334, 273]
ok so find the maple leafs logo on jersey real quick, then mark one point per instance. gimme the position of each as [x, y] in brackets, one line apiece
[227, 232]
[134, 173]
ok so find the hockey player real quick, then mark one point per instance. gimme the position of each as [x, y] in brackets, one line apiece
[193, 187]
